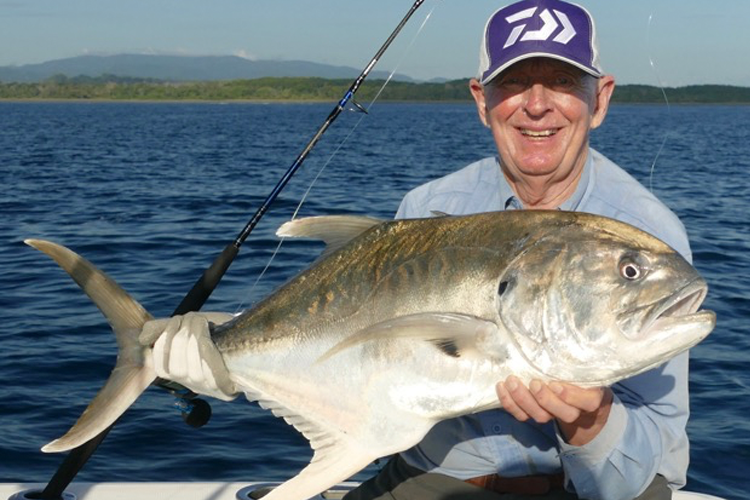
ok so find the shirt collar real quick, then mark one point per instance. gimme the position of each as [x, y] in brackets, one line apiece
[511, 202]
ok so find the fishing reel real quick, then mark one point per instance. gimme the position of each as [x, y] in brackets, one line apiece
[195, 412]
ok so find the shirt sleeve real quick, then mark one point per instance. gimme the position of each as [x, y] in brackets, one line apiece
[644, 436]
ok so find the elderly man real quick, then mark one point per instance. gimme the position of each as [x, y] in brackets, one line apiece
[540, 91]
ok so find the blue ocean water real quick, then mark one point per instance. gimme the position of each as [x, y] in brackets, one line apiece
[152, 192]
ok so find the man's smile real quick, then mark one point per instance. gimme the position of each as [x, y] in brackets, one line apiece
[538, 133]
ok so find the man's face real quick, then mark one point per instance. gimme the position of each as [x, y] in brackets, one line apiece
[540, 111]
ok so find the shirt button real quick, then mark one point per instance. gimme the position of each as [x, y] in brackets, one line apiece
[496, 428]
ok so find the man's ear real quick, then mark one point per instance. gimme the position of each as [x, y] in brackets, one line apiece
[605, 86]
[477, 92]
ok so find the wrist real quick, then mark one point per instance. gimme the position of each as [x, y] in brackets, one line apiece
[587, 426]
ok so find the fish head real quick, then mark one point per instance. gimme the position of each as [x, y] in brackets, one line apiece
[591, 305]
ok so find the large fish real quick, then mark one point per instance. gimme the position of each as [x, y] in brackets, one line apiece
[401, 324]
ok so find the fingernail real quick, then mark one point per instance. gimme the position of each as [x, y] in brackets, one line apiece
[556, 388]
[511, 384]
[535, 386]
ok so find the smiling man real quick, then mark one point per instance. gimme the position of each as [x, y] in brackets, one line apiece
[540, 111]
[541, 90]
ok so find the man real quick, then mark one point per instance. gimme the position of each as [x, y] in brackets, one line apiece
[540, 91]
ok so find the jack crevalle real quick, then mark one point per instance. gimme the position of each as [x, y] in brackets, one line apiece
[401, 324]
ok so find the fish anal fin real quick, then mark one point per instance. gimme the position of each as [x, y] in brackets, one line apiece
[337, 456]
[335, 464]
[454, 334]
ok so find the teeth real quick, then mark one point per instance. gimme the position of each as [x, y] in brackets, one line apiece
[540, 133]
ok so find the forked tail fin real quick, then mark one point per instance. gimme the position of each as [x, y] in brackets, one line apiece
[133, 372]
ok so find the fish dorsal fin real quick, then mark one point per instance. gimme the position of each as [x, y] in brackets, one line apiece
[454, 334]
[335, 230]
[336, 456]
[438, 213]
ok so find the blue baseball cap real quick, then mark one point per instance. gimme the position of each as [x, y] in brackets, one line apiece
[539, 28]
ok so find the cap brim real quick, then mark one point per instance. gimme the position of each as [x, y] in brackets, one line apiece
[495, 72]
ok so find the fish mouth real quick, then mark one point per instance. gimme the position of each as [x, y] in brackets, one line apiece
[675, 325]
[679, 314]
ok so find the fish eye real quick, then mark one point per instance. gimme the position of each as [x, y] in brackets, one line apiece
[631, 270]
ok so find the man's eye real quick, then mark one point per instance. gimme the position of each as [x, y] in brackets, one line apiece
[563, 82]
[513, 83]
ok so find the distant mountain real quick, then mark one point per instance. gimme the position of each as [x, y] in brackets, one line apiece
[178, 68]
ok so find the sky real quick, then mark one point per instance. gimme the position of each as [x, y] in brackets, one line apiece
[654, 42]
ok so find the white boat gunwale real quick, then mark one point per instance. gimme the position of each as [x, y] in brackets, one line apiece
[195, 491]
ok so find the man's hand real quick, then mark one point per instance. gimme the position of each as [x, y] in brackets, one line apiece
[183, 352]
[580, 413]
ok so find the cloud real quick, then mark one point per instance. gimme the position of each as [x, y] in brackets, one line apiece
[245, 54]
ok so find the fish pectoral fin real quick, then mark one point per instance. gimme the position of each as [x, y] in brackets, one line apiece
[335, 230]
[455, 335]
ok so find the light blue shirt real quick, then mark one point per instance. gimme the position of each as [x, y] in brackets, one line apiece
[645, 433]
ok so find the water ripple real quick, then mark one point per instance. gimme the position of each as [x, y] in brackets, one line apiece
[152, 192]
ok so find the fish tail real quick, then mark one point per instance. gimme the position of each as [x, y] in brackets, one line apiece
[133, 372]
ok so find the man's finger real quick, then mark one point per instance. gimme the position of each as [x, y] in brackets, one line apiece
[178, 356]
[152, 330]
[508, 404]
[587, 400]
[159, 357]
[522, 404]
[550, 401]
[193, 357]
[213, 363]
[163, 348]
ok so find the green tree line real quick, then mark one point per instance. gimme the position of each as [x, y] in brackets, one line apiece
[109, 87]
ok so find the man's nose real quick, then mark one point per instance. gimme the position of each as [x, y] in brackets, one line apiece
[538, 100]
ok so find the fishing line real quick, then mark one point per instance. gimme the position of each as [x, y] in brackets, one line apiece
[209, 280]
[666, 100]
[363, 114]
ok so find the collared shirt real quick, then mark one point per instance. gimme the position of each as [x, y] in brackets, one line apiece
[645, 432]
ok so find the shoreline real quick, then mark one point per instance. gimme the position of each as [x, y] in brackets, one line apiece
[318, 90]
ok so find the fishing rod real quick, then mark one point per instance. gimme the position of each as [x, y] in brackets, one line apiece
[211, 277]
[203, 288]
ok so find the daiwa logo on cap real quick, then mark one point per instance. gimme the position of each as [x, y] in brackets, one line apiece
[539, 28]
[546, 31]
